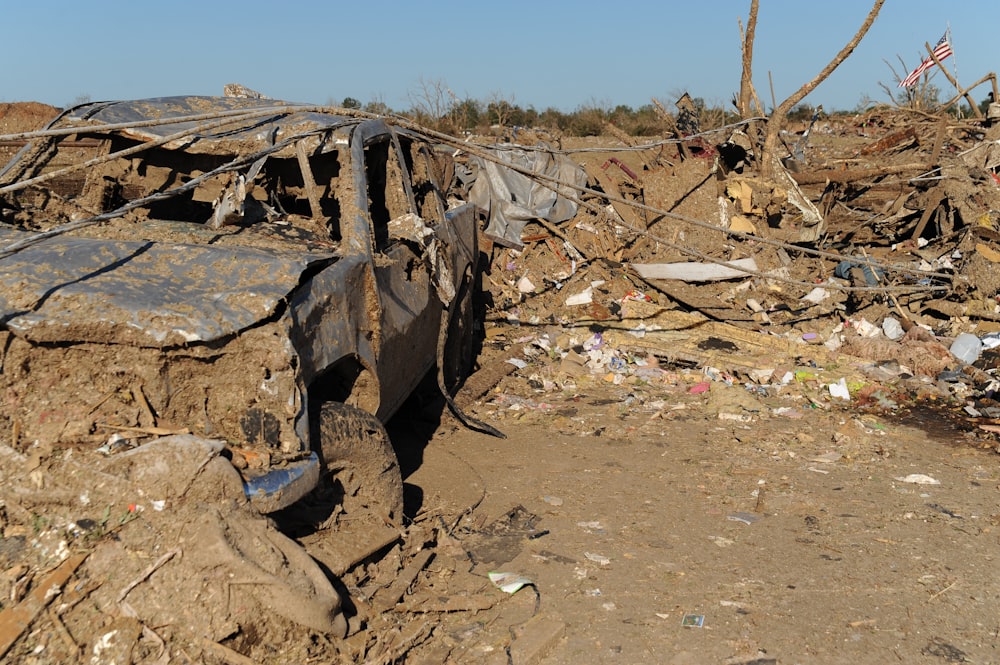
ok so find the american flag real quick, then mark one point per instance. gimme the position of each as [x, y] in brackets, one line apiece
[941, 51]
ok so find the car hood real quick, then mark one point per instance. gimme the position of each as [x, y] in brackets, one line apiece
[77, 289]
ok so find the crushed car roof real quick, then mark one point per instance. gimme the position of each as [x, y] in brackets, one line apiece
[212, 124]
[165, 293]
[71, 288]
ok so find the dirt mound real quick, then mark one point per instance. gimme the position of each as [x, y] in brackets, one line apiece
[24, 116]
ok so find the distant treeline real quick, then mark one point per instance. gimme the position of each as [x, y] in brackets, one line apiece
[483, 117]
[436, 107]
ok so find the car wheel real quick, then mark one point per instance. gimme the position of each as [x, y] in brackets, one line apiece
[359, 463]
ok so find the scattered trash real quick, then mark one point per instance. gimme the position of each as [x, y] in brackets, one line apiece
[816, 296]
[509, 582]
[721, 541]
[745, 518]
[919, 479]
[597, 558]
[115, 442]
[758, 339]
[945, 511]
[693, 620]
[892, 328]
[966, 348]
[990, 340]
[840, 390]
[591, 526]
[585, 297]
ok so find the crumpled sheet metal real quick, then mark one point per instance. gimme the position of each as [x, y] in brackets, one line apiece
[512, 199]
[256, 133]
[86, 289]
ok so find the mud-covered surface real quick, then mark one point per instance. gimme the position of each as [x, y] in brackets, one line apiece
[683, 479]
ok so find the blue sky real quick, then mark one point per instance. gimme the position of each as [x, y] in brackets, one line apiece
[537, 54]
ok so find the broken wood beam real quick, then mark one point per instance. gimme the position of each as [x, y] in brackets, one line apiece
[954, 82]
[891, 141]
[626, 212]
[388, 597]
[15, 620]
[853, 175]
[942, 131]
[963, 93]
[929, 211]
[312, 191]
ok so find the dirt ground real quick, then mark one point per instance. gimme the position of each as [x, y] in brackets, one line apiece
[793, 538]
[678, 482]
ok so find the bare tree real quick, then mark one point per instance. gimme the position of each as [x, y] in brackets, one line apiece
[746, 81]
[922, 96]
[431, 101]
[500, 107]
[778, 118]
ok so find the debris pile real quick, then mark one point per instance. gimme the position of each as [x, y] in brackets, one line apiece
[627, 285]
[869, 257]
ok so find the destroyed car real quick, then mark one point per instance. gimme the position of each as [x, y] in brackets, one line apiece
[275, 276]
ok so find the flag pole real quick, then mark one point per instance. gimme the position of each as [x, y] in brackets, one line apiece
[951, 79]
[954, 55]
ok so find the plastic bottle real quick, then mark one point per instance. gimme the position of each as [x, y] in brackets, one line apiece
[967, 348]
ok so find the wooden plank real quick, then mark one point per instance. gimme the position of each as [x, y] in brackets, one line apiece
[626, 212]
[388, 597]
[695, 272]
[15, 620]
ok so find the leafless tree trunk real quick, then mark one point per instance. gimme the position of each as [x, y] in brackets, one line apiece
[780, 115]
[746, 81]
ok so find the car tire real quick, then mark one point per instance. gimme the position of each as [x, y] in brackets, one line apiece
[359, 463]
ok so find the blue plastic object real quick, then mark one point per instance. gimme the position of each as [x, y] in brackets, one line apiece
[280, 487]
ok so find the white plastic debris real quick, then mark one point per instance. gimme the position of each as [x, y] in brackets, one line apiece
[866, 328]
[525, 285]
[817, 295]
[919, 479]
[966, 348]
[597, 558]
[585, 297]
[840, 390]
[990, 340]
[509, 582]
[892, 328]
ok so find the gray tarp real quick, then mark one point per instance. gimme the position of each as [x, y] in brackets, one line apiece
[512, 199]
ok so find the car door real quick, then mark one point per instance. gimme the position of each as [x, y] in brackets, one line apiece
[410, 308]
